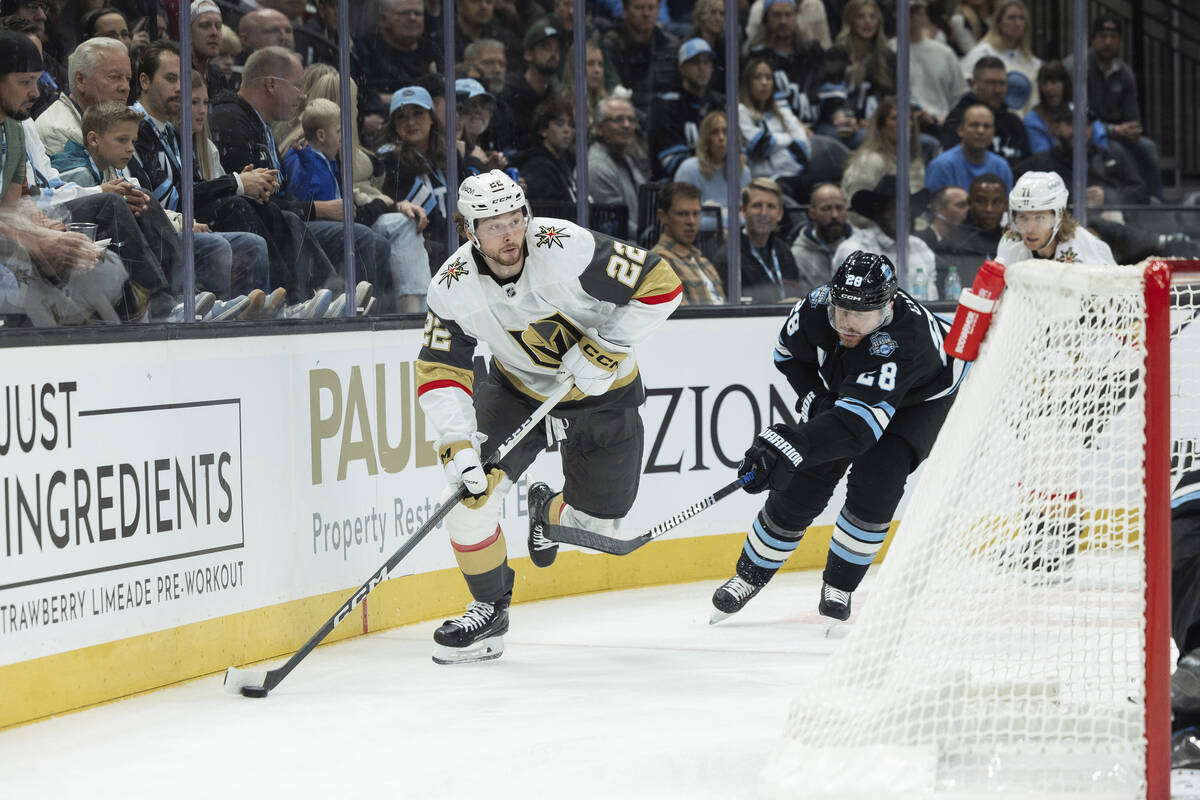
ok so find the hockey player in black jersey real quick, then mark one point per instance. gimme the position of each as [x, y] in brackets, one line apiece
[874, 386]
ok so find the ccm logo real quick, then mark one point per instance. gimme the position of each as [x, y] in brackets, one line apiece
[599, 357]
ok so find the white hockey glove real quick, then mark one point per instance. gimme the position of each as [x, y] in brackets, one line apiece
[460, 460]
[593, 362]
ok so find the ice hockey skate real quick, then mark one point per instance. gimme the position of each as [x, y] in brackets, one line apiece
[476, 635]
[542, 551]
[835, 603]
[732, 595]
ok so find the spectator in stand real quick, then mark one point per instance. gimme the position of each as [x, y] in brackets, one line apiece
[971, 158]
[812, 20]
[1113, 97]
[226, 59]
[876, 156]
[708, 23]
[475, 20]
[796, 59]
[1009, 40]
[206, 43]
[708, 170]
[474, 114]
[1054, 90]
[49, 86]
[414, 154]
[936, 78]
[595, 68]
[775, 141]
[241, 127]
[878, 207]
[643, 53]
[989, 85]
[613, 174]
[399, 52]
[316, 38]
[109, 22]
[676, 115]
[969, 243]
[54, 49]
[525, 91]
[100, 70]
[769, 273]
[871, 74]
[949, 207]
[486, 62]
[817, 241]
[1113, 177]
[265, 27]
[679, 215]
[549, 169]
[968, 23]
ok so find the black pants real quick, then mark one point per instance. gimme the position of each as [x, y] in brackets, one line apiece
[874, 489]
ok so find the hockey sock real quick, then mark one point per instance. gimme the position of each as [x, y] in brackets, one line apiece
[555, 510]
[852, 549]
[485, 567]
[767, 546]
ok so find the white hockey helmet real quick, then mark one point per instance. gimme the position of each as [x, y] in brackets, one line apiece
[1040, 191]
[489, 194]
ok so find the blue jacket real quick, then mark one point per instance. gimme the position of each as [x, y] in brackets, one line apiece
[1041, 140]
[951, 168]
[72, 157]
[309, 176]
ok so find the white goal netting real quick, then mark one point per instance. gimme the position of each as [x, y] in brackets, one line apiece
[1001, 649]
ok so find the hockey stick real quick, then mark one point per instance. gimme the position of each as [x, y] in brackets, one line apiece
[623, 547]
[257, 683]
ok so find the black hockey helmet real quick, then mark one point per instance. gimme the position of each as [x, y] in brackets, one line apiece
[864, 282]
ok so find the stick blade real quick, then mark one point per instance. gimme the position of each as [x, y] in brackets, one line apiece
[246, 682]
[594, 541]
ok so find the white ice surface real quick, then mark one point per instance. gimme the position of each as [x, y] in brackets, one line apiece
[618, 696]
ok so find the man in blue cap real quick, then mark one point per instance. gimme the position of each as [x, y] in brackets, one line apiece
[676, 115]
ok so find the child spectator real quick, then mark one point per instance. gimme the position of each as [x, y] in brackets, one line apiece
[110, 131]
[312, 171]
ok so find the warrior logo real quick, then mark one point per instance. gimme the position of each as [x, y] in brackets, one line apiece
[547, 340]
[548, 236]
[452, 272]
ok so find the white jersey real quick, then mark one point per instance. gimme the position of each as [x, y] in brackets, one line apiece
[574, 282]
[1082, 248]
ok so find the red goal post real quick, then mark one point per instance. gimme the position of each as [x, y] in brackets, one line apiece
[1016, 642]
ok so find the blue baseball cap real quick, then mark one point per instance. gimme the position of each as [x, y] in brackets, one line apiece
[471, 88]
[768, 3]
[411, 96]
[692, 48]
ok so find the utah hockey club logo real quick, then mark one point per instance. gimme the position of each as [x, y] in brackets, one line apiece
[548, 236]
[452, 272]
[882, 344]
[548, 340]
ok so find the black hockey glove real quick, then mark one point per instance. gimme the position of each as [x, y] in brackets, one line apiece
[774, 456]
[814, 403]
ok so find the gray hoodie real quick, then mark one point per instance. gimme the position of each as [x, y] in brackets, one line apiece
[814, 258]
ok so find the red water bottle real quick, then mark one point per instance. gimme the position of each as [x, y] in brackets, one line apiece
[975, 307]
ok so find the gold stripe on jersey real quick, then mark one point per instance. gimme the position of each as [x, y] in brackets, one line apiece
[432, 375]
[573, 395]
[660, 282]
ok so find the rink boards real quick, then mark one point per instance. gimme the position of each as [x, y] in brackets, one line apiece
[172, 508]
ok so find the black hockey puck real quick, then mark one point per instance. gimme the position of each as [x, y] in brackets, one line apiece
[254, 691]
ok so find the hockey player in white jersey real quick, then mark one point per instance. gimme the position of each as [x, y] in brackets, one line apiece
[550, 300]
[1041, 226]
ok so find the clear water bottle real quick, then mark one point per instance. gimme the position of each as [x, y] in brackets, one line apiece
[953, 284]
[920, 285]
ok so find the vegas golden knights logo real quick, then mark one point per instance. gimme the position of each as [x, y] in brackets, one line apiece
[547, 340]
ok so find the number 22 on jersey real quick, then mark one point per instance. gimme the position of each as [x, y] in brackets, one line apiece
[627, 269]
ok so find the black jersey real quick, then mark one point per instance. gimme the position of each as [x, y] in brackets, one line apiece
[849, 396]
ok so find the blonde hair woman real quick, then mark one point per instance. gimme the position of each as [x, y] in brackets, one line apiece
[968, 21]
[708, 170]
[876, 156]
[1009, 40]
[871, 73]
[775, 141]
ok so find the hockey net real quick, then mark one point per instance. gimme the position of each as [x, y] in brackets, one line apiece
[1003, 649]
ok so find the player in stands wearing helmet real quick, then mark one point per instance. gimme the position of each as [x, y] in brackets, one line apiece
[866, 361]
[550, 300]
[1041, 226]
